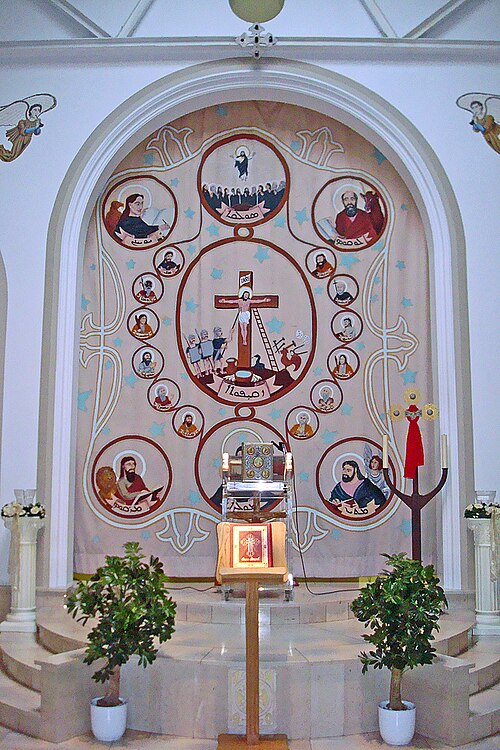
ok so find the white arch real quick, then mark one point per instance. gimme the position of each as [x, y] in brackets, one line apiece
[219, 82]
[3, 333]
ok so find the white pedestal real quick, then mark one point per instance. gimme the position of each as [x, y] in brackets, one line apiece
[22, 615]
[487, 599]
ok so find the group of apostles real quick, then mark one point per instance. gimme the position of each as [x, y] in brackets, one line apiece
[269, 194]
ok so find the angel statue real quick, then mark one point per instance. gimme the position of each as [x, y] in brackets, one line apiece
[24, 116]
[373, 466]
[485, 110]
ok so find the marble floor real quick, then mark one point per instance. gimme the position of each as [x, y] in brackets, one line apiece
[133, 740]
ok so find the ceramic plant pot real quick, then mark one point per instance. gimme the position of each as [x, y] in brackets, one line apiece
[396, 727]
[108, 722]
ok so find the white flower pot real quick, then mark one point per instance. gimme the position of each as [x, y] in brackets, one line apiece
[108, 722]
[396, 727]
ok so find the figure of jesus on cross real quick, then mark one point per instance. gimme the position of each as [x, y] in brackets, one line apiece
[245, 302]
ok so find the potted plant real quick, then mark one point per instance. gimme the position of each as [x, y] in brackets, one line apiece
[132, 606]
[401, 608]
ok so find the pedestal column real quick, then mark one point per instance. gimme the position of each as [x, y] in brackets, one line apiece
[22, 568]
[487, 603]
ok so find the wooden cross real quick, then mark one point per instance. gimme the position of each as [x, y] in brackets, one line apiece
[245, 302]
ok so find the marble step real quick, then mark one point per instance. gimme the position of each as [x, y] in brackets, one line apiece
[19, 707]
[484, 718]
[486, 670]
[19, 651]
[59, 632]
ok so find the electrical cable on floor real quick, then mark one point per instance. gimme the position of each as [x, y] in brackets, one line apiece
[193, 588]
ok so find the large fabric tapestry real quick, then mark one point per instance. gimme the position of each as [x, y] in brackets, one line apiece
[253, 272]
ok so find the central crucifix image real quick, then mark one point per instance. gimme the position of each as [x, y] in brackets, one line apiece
[248, 306]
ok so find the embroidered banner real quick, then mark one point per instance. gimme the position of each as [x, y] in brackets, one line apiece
[253, 272]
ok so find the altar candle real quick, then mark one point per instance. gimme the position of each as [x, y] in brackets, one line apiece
[444, 451]
[385, 457]
[225, 462]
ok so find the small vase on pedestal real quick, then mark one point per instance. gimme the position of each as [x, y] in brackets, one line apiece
[486, 543]
[22, 566]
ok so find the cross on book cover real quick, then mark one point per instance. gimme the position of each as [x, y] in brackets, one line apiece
[251, 546]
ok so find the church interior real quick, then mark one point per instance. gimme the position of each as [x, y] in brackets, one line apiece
[248, 362]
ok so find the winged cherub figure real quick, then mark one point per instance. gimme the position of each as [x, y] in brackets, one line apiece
[23, 118]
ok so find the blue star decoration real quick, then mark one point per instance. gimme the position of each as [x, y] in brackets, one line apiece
[318, 290]
[359, 345]
[216, 273]
[149, 159]
[378, 155]
[157, 429]
[301, 216]
[336, 533]
[130, 264]
[404, 207]
[221, 110]
[183, 376]
[295, 145]
[318, 371]
[96, 539]
[400, 264]
[378, 246]
[85, 303]
[223, 411]
[275, 413]
[279, 221]
[118, 341]
[189, 213]
[409, 376]
[92, 266]
[346, 409]
[304, 476]
[275, 325]
[190, 305]
[329, 436]
[106, 430]
[174, 182]
[376, 280]
[82, 400]
[191, 249]
[374, 298]
[217, 463]
[213, 230]
[107, 365]
[348, 260]
[194, 497]
[167, 321]
[405, 526]
[406, 302]
[131, 380]
[145, 535]
[262, 254]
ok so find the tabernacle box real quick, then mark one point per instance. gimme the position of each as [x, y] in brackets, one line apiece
[257, 461]
[251, 546]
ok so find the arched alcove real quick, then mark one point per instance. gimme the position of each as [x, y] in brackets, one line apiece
[186, 91]
[3, 330]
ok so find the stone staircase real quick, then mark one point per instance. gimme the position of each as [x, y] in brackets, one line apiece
[45, 687]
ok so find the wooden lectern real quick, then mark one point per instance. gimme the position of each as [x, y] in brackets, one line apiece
[252, 577]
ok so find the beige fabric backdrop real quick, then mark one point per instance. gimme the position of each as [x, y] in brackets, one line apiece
[238, 301]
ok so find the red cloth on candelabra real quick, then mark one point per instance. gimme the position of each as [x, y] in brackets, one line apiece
[414, 447]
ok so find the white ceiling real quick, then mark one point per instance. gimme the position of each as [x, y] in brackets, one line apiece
[39, 20]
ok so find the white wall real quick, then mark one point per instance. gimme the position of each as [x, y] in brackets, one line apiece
[424, 92]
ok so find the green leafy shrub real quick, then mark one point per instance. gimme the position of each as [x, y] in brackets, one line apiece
[132, 607]
[401, 608]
